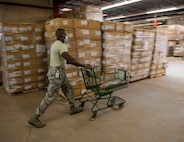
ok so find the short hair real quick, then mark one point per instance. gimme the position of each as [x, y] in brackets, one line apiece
[59, 31]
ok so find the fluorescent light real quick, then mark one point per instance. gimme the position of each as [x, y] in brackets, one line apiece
[147, 24]
[115, 17]
[161, 10]
[119, 4]
[158, 18]
[66, 9]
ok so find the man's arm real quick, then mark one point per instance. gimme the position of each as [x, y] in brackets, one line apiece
[73, 61]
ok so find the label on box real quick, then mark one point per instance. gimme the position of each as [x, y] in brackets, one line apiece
[27, 72]
[26, 80]
[26, 64]
[65, 22]
[24, 56]
[84, 22]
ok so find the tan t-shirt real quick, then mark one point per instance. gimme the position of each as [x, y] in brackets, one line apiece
[56, 51]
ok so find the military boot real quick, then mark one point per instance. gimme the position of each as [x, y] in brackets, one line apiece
[34, 121]
[74, 109]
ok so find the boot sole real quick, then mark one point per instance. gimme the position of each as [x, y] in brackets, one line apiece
[37, 126]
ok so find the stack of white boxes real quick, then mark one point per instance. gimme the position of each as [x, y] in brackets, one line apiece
[19, 55]
[142, 50]
[176, 40]
[117, 39]
[159, 62]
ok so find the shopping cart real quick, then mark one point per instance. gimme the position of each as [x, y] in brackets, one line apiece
[95, 82]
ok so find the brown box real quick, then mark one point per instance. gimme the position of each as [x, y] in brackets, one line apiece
[71, 44]
[84, 53]
[29, 63]
[120, 27]
[82, 33]
[70, 34]
[14, 89]
[30, 71]
[96, 53]
[28, 56]
[13, 65]
[80, 23]
[30, 86]
[83, 43]
[27, 48]
[96, 44]
[108, 26]
[30, 78]
[94, 25]
[61, 22]
[42, 61]
[95, 34]
[15, 81]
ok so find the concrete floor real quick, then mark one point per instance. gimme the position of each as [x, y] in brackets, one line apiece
[154, 112]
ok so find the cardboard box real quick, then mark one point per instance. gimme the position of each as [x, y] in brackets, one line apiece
[96, 53]
[28, 56]
[70, 34]
[84, 53]
[15, 81]
[94, 25]
[95, 34]
[95, 44]
[14, 89]
[30, 79]
[79, 23]
[83, 43]
[120, 27]
[82, 33]
[61, 22]
[27, 48]
[29, 63]
[30, 86]
[30, 71]
[108, 26]
[88, 12]
[13, 65]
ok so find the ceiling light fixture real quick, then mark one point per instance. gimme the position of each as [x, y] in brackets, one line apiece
[66, 9]
[119, 4]
[115, 17]
[158, 18]
[161, 10]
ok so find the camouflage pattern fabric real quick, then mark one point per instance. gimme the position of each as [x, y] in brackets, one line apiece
[54, 85]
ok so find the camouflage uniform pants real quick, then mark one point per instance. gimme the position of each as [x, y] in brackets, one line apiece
[54, 85]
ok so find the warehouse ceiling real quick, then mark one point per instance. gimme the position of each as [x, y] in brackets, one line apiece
[134, 12]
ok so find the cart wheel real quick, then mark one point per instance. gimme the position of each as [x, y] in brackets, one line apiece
[113, 101]
[82, 104]
[93, 116]
[120, 106]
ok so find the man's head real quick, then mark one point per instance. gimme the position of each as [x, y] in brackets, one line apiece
[60, 34]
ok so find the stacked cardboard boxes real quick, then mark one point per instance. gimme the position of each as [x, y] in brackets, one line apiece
[117, 39]
[175, 40]
[88, 12]
[142, 49]
[19, 56]
[159, 62]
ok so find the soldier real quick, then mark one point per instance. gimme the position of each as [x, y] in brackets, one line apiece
[57, 78]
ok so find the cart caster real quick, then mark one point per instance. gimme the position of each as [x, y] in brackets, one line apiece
[82, 104]
[93, 116]
[120, 106]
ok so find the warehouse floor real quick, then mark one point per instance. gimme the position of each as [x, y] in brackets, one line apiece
[154, 112]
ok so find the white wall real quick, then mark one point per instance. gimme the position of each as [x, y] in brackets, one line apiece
[15, 13]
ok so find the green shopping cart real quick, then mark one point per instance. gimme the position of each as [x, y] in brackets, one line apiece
[103, 88]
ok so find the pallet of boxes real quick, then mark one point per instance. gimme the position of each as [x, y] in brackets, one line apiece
[159, 62]
[117, 40]
[24, 57]
[84, 44]
[175, 40]
[142, 50]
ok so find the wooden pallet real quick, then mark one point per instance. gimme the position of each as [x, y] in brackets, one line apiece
[157, 75]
